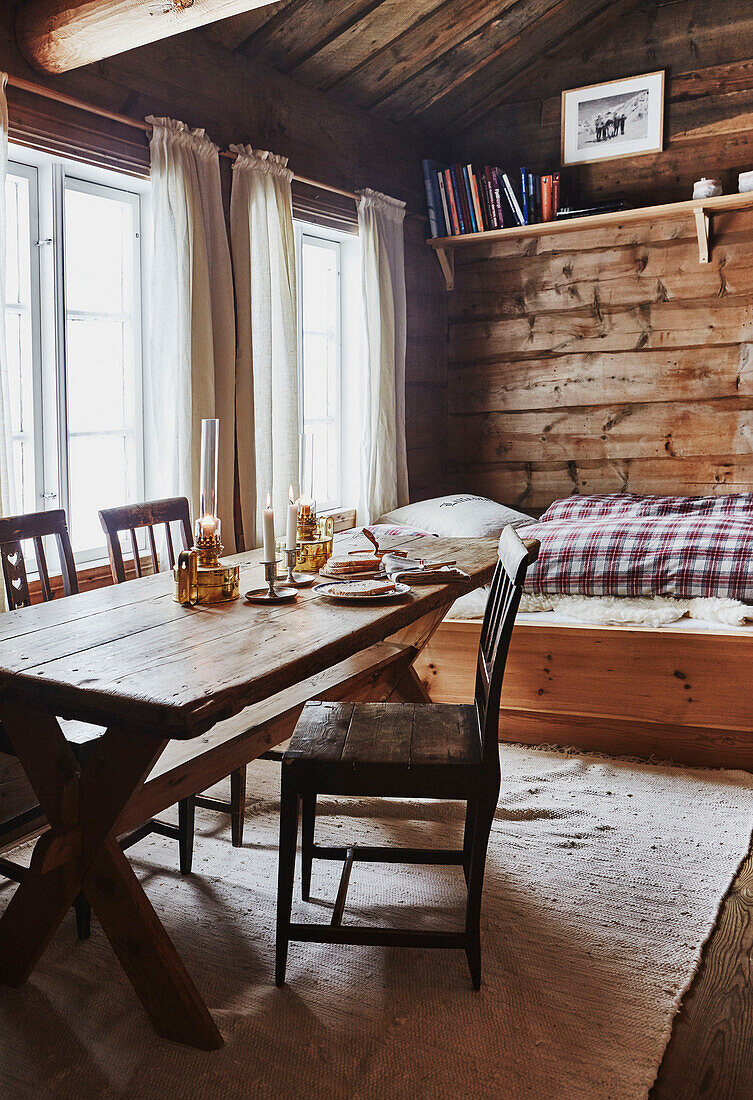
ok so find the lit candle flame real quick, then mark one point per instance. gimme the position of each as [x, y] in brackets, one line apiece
[269, 500]
[291, 498]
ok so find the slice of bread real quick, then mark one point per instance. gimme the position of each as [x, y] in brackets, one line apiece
[363, 588]
[361, 563]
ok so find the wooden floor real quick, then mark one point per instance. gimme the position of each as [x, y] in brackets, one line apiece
[710, 1053]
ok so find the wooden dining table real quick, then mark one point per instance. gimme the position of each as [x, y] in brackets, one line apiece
[119, 702]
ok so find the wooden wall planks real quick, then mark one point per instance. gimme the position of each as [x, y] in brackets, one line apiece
[238, 99]
[608, 360]
[601, 362]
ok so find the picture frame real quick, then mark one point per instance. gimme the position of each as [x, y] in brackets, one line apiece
[619, 118]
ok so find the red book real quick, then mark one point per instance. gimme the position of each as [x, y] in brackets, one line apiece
[476, 201]
[451, 199]
[555, 194]
[546, 198]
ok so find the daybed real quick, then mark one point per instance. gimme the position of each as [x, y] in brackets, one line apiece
[678, 692]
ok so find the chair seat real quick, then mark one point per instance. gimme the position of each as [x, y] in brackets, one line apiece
[352, 747]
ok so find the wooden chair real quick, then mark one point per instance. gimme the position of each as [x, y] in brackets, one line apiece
[155, 513]
[35, 527]
[403, 750]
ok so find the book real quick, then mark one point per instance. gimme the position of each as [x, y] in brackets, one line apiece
[512, 199]
[530, 197]
[451, 202]
[459, 205]
[489, 184]
[546, 198]
[497, 190]
[484, 197]
[445, 204]
[469, 199]
[524, 182]
[432, 197]
[555, 193]
[480, 221]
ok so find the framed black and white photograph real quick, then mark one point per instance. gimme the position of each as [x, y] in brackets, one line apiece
[622, 118]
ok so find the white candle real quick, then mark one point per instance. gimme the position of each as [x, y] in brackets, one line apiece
[207, 526]
[268, 520]
[291, 533]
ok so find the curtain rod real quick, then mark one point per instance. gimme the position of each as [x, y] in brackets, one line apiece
[138, 124]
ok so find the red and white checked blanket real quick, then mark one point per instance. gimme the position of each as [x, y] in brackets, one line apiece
[626, 545]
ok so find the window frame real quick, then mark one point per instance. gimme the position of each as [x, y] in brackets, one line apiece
[53, 176]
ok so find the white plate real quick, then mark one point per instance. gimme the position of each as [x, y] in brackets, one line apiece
[355, 597]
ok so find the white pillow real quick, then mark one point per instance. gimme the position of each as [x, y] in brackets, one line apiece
[457, 516]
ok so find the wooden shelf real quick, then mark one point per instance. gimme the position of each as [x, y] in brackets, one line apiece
[700, 210]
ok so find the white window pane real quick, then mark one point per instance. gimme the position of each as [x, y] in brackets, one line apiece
[98, 375]
[99, 252]
[19, 351]
[316, 362]
[101, 476]
[320, 305]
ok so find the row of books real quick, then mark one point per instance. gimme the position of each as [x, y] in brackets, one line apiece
[462, 199]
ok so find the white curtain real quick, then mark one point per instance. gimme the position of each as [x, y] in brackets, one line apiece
[190, 372]
[8, 503]
[385, 466]
[261, 227]
[7, 477]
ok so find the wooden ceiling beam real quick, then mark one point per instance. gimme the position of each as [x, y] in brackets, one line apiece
[58, 35]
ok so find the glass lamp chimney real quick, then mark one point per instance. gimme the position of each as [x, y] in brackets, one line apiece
[208, 524]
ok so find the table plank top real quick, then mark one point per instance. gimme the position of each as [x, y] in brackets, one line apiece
[129, 655]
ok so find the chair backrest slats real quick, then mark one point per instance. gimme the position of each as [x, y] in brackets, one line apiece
[504, 598]
[34, 528]
[133, 517]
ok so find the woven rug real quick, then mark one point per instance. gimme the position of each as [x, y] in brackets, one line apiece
[603, 882]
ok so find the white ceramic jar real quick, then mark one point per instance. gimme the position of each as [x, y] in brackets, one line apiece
[706, 189]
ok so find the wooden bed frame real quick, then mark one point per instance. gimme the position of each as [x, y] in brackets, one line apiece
[672, 693]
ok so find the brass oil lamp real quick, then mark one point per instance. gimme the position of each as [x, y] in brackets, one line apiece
[200, 577]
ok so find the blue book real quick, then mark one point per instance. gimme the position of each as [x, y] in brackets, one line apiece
[471, 205]
[524, 182]
[433, 202]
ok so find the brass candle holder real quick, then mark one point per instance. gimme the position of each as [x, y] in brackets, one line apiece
[315, 538]
[272, 594]
[291, 557]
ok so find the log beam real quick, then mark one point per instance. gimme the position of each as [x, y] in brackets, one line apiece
[57, 35]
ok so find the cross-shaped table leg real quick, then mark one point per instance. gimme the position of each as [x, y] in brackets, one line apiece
[82, 801]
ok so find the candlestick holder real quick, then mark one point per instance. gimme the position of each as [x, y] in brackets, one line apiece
[271, 594]
[291, 556]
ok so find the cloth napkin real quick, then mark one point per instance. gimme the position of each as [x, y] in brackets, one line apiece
[417, 571]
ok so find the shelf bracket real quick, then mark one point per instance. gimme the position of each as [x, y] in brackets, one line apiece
[702, 229]
[446, 257]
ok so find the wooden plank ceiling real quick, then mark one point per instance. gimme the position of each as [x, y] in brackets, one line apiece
[440, 63]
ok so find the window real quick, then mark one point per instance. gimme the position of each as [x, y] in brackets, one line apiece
[329, 334]
[74, 339]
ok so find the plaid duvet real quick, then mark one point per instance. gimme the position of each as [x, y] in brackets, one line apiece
[626, 545]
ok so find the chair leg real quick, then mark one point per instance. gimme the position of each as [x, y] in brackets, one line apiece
[482, 825]
[83, 916]
[470, 818]
[237, 805]
[286, 874]
[186, 822]
[308, 823]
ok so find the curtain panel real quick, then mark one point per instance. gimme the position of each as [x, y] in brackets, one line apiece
[190, 372]
[8, 503]
[267, 412]
[385, 464]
